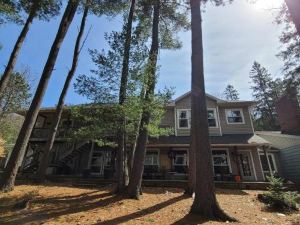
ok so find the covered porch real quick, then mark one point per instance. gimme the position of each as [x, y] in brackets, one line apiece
[236, 158]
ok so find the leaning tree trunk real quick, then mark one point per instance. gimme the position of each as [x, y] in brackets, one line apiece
[43, 165]
[135, 182]
[122, 164]
[11, 169]
[13, 57]
[294, 9]
[205, 203]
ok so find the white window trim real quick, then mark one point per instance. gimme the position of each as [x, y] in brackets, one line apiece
[187, 156]
[269, 164]
[227, 151]
[189, 119]
[252, 162]
[242, 115]
[158, 156]
[218, 114]
[216, 117]
[190, 115]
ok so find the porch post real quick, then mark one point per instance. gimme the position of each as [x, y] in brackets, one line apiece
[237, 160]
[269, 165]
[90, 155]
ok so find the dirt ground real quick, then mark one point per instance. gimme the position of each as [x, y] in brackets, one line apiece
[54, 204]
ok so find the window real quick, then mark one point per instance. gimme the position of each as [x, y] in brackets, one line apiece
[180, 159]
[265, 163]
[220, 162]
[211, 114]
[184, 118]
[152, 158]
[234, 116]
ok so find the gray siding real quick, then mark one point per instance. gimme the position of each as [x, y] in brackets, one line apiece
[169, 118]
[245, 128]
[290, 163]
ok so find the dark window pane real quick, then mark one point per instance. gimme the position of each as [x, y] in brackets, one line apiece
[264, 163]
[271, 162]
[183, 123]
[183, 115]
[212, 123]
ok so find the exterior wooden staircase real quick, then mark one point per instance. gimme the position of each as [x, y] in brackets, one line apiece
[68, 156]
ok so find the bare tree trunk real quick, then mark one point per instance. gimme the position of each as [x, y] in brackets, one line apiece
[122, 165]
[205, 203]
[135, 182]
[294, 9]
[43, 165]
[13, 57]
[11, 169]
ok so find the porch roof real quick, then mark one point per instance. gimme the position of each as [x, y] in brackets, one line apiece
[224, 140]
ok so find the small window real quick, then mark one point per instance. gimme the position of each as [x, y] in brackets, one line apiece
[212, 121]
[184, 118]
[234, 116]
[151, 158]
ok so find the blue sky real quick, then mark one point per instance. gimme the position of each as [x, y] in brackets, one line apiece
[234, 36]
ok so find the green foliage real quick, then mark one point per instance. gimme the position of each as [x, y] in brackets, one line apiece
[17, 94]
[230, 93]
[278, 199]
[290, 50]
[9, 129]
[46, 9]
[107, 7]
[9, 12]
[265, 92]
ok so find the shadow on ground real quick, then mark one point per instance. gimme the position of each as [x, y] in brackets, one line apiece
[60, 206]
[141, 213]
[231, 192]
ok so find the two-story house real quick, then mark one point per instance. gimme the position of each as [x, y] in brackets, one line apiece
[236, 150]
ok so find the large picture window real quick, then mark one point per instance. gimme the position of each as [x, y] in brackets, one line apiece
[234, 116]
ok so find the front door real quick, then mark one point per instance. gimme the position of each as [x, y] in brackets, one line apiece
[246, 166]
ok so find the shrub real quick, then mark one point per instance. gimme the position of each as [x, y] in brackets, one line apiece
[277, 198]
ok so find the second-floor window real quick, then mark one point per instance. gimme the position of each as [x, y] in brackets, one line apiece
[184, 118]
[234, 116]
[212, 118]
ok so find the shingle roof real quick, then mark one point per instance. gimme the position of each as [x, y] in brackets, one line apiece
[224, 139]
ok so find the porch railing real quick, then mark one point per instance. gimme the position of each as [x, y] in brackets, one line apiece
[45, 132]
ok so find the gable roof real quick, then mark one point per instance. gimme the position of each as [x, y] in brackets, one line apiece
[218, 100]
[207, 95]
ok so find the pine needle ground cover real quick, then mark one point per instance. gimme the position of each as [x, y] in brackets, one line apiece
[57, 204]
